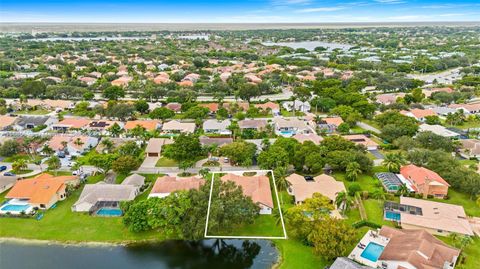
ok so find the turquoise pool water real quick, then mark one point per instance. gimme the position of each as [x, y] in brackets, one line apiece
[15, 208]
[287, 133]
[392, 216]
[109, 212]
[372, 251]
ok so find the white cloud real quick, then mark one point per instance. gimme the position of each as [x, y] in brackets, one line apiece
[319, 9]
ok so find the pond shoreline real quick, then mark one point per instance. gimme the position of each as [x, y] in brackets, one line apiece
[74, 243]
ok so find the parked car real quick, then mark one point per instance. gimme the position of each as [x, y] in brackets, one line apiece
[3, 168]
[9, 174]
[61, 154]
[226, 160]
[76, 173]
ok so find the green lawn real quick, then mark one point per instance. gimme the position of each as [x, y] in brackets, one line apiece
[25, 157]
[22, 172]
[286, 113]
[374, 209]
[33, 112]
[458, 198]
[61, 224]
[166, 162]
[295, 255]
[471, 253]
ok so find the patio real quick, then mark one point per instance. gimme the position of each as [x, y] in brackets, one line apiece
[370, 237]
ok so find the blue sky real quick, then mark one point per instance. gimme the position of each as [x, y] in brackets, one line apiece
[250, 11]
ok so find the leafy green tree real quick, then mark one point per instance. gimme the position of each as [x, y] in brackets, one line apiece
[185, 148]
[9, 148]
[239, 152]
[141, 106]
[115, 130]
[332, 238]
[161, 113]
[113, 93]
[272, 158]
[103, 162]
[19, 165]
[125, 164]
[196, 112]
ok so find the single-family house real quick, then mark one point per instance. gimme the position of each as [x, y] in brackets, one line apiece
[435, 217]
[173, 127]
[425, 181]
[419, 114]
[74, 145]
[155, 145]
[313, 137]
[149, 125]
[219, 141]
[30, 122]
[468, 109]
[388, 98]
[175, 107]
[256, 187]
[217, 127]
[135, 180]
[93, 196]
[6, 122]
[121, 81]
[42, 191]
[302, 187]
[330, 124]
[292, 126]
[297, 105]
[438, 130]
[273, 107]
[165, 185]
[252, 124]
[470, 148]
[70, 123]
[101, 126]
[360, 139]
[212, 107]
[415, 249]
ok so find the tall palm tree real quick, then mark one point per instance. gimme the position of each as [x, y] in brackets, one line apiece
[281, 181]
[343, 201]
[115, 130]
[393, 162]
[402, 190]
[78, 142]
[353, 171]
[19, 165]
[107, 144]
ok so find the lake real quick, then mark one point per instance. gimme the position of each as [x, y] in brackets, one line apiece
[309, 45]
[212, 254]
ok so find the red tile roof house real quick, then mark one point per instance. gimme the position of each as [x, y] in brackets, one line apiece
[360, 139]
[175, 107]
[42, 191]
[257, 188]
[165, 185]
[149, 125]
[212, 107]
[274, 107]
[419, 114]
[425, 181]
[70, 123]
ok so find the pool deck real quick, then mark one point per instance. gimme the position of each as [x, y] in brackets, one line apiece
[366, 239]
[15, 202]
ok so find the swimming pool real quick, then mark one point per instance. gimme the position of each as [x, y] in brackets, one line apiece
[372, 251]
[16, 207]
[389, 215]
[287, 133]
[109, 212]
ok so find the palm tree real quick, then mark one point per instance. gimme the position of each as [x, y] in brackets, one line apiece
[393, 162]
[137, 131]
[78, 142]
[353, 171]
[19, 165]
[278, 216]
[54, 163]
[343, 201]
[47, 150]
[402, 190]
[115, 130]
[281, 181]
[107, 144]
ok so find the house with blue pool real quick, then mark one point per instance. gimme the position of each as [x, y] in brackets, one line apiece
[292, 126]
[390, 248]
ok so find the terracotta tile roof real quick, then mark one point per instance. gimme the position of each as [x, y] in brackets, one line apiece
[149, 125]
[75, 123]
[177, 107]
[323, 184]
[256, 187]
[420, 113]
[418, 175]
[6, 121]
[213, 107]
[39, 190]
[316, 139]
[268, 105]
[416, 247]
[333, 120]
[361, 140]
[55, 142]
[168, 184]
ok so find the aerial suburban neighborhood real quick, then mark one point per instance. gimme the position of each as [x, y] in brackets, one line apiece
[290, 147]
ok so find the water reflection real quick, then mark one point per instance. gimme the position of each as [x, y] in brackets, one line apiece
[231, 254]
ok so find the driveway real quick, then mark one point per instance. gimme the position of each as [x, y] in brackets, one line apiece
[150, 162]
[377, 154]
